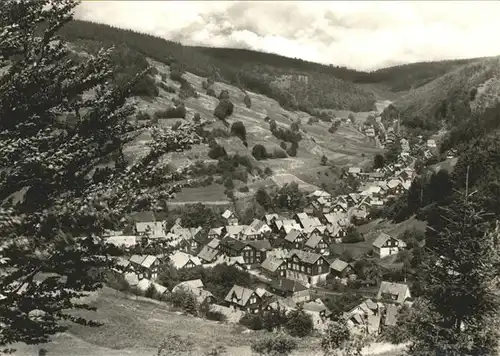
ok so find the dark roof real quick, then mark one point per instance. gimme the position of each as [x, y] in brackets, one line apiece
[142, 216]
[287, 285]
[233, 243]
[262, 245]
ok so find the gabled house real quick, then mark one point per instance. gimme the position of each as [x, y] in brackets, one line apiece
[235, 231]
[231, 247]
[196, 287]
[318, 243]
[245, 299]
[283, 227]
[339, 208]
[307, 267]
[287, 288]
[216, 232]
[395, 187]
[431, 144]
[364, 318]
[229, 217]
[396, 293]
[341, 269]
[150, 229]
[294, 239]
[122, 241]
[257, 229]
[210, 251]
[311, 230]
[386, 245]
[270, 218]
[182, 260]
[273, 267]
[145, 266]
[352, 199]
[305, 220]
[255, 251]
[319, 313]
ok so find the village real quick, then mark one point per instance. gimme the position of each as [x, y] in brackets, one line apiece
[291, 256]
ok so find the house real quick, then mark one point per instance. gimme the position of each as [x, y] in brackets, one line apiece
[182, 260]
[318, 243]
[230, 218]
[307, 267]
[354, 171]
[122, 241]
[245, 299]
[395, 187]
[311, 230]
[235, 231]
[278, 303]
[151, 229]
[257, 229]
[341, 269]
[283, 227]
[431, 144]
[145, 266]
[352, 199]
[391, 315]
[364, 318]
[339, 208]
[196, 287]
[231, 247]
[255, 251]
[216, 233]
[320, 194]
[386, 245]
[294, 239]
[273, 267]
[210, 251]
[270, 218]
[287, 288]
[370, 132]
[144, 284]
[319, 313]
[396, 293]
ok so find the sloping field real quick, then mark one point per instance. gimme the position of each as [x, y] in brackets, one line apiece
[346, 146]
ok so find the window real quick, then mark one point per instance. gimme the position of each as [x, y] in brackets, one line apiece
[253, 300]
[289, 265]
[309, 270]
[302, 268]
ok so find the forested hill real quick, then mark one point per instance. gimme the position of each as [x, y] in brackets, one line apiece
[293, 83]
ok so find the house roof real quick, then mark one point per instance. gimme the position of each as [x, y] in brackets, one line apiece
[316, 306]
[232, 230]
[270, 217]
[216, 231]
[233, 243]
[304, 256]
[398, 289]
[214, 243]
[393, 183]
[292, 235]
[391, 315]
[137, 259]
[338, 265]
[314, 240]
[122, 240]
[261, 245]
[179, 259]
[257, 225]
[131, 278]
[381, 240]
[142, 216]
[148, 261]
[287, 285]
[242, 295]
[354, 170]
[208, 254]
[192, 284]
[143, 284]
[227, 214]
[319, 193]
[271, 263]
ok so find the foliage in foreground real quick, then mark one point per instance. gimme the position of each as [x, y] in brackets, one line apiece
[52, 209]
[279, 345]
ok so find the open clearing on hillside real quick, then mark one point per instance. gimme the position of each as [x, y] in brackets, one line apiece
[213, 192]
[137, 327]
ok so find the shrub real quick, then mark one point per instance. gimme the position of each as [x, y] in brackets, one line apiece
[274, 346]
[292, 151]
[197, 117]
[263, 198]
[332, 129]
[267, 119]
[239, 130]
[352, 236]
[187, 91]
[247, 101]
[312, 120]
[279, 153]
[244, 189]
[274, 319]
[151, 292]
[217, 152]
[146, 86]
[171, 113]
[224, 95]
[228, 183]
[224, 109]
[283, 145]
[211, 92]
[299, 323]
[251, 321]
[259, 152]
[323, 160]
[167, 88]
[141, 115]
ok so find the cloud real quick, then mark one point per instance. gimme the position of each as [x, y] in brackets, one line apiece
[364, 35]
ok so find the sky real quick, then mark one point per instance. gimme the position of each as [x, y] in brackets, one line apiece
[363, 35]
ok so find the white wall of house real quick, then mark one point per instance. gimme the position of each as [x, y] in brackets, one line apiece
[385, 251]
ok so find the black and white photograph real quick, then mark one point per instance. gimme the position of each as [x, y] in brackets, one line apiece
[249, 178]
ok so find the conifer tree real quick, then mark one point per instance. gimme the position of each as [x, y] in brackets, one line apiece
[52, 211]
[457, 310]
